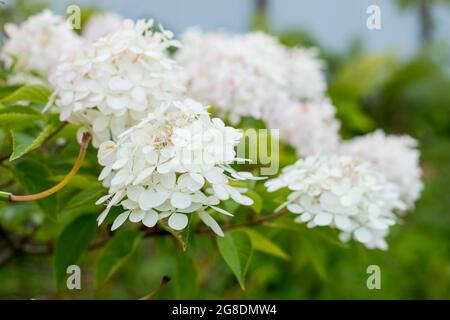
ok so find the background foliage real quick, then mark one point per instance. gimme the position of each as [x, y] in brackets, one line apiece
[370, 90]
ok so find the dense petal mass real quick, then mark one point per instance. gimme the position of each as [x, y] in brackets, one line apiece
[117, 80]
[310, 127]
[241, 75]
[172, 164]
[305, 74]
[101, 25]
[37, 45]
[396, 157]
[254, 75]
[341, 192]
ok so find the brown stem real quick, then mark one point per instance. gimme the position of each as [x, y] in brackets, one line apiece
[148, 233]
[259, 220]
[64, 182]
[165, 280]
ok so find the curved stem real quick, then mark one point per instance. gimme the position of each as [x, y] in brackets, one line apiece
[256, 221]
[63, 182]
[165, 280]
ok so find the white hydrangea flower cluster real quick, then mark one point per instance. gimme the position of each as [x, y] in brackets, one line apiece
[35, 47]
[395, 156]
[240, 75]
[341, 192]
[173, 164]
[310, 127]
[101, 25]
[117, 80]
[254, 75]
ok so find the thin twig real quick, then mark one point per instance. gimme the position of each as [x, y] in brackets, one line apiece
[259, 220]
[63, 182]
[46, 249]
[165, 280]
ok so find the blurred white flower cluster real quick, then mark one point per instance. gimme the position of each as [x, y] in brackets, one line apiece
[305, 74]
[341, 192]
[114, 82]
[101, 25]
[310, 127]
[396, 157]
[165, 158]
[173, 164]
[254, 75]
[35, 47]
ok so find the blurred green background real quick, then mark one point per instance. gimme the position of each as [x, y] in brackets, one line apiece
[370, 90]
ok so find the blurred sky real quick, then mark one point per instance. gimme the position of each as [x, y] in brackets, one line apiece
[333, 22]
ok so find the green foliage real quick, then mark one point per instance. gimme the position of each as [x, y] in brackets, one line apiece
[35, 177]
[264, 244]
[354, 85]
[30, 93]
[84, 201]
[236, 249]
[16, 120]
[288, 260]
[186, 276]
[19, 10]
[24, 143]
[73, 241]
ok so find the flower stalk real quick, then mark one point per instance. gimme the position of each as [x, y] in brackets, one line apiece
[165, 280]
[5, 196]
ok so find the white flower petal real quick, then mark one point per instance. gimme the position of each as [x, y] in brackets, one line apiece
[323, 219]
[150, 199]
[210, 222]
[136, 215]
[178, 221]
[121, 218]
[150, 218]
[363, 235]
[180, 200]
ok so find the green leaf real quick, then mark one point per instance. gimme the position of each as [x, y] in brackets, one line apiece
[186, 277]
[317, 257]
[21, 109]
[31, 93]
[264, 244]
[85, 200]
[257, 201]
[236, 249]
[6, 91]
[73, 241]
[23, 143]
[35, 177]
[331, 239]
[16, 120]
[118, 249]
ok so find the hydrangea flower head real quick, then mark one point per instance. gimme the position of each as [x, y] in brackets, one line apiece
[101, 25]
[173, 164]
[341, 192]
[395, 156]
[310, 127]
[117, 80]
[37, 45]
[305, 74]
[241, 75]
